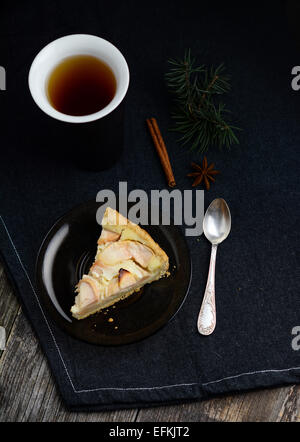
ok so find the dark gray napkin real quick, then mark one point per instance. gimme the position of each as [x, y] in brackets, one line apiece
[257, 291]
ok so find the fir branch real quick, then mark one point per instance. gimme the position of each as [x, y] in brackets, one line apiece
[197, 117]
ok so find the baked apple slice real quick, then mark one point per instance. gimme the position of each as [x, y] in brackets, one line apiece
[127, 258]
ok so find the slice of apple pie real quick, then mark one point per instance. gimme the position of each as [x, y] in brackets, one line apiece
[127, 258]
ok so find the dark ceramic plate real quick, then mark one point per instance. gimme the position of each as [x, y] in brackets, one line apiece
[69, 250]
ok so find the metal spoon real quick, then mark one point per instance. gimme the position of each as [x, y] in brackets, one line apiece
[216, 227]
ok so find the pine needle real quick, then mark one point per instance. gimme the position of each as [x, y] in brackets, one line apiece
[199, 115]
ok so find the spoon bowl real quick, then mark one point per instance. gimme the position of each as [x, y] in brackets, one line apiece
[217, 221]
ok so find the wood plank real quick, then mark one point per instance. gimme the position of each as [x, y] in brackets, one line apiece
[28, 392]
[9, 305]
[27, 389]
[271, 405]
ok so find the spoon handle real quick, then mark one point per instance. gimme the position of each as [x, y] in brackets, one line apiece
[207, 316]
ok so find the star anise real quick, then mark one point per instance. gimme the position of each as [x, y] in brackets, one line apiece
[203, 173]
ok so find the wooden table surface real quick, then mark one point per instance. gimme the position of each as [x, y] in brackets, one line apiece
[28, 392]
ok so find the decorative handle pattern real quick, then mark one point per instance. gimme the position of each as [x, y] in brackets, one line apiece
[207, 316]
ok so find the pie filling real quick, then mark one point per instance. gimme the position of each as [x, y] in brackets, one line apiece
[127, 258]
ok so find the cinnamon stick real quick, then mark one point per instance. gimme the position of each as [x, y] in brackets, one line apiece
[161, 150]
